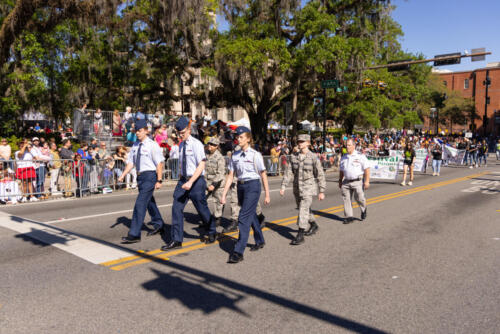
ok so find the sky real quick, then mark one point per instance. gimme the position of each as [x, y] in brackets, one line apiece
[434, 27]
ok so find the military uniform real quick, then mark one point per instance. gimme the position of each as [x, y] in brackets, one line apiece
[215, 169]
[308, 175]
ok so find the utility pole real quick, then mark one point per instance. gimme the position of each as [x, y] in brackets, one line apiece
[324, 119]
[487, 83]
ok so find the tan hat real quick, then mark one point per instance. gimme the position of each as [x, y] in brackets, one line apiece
[304, 137]
[214, 141]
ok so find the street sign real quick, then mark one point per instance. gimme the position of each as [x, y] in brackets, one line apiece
[478, 58]
[332, 83]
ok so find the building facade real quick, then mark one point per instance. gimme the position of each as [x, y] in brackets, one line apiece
[472, 84]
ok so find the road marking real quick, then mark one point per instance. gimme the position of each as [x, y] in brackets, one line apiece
[151, 256]
[87, 248]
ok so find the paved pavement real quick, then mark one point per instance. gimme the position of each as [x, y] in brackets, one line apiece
[426, 260]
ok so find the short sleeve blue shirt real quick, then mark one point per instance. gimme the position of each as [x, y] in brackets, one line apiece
[151, 155]
[244, 164]
[195, 154]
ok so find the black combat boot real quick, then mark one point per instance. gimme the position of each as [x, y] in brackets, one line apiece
[218, 221]
[312, 229]
[299, 239]
[262, 220]
[233, 226]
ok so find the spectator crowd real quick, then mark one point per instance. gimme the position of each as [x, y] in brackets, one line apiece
[94, 167]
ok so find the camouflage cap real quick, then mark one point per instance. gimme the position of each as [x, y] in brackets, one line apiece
[214, 141]
[304, 137]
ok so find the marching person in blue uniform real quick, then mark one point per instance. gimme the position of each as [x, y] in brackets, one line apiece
[147, 157]
[191, 186]
[248, 166]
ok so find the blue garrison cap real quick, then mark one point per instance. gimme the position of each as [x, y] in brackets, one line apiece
[140, 124]
[181, 123]
[242, 129]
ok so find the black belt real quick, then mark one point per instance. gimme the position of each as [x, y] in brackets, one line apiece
[146, 171]
[247, 181]
[353, 180]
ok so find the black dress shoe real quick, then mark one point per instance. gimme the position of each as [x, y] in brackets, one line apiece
[348, 220]
[130, 240]
[172, 245]
[256, 247]
[235, 258]
[211, 238]
[363, 215]
[155, 230]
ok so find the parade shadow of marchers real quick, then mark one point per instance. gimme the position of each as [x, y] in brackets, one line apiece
[36, 235]
[194, 293]
[284, 231]
[327, 215]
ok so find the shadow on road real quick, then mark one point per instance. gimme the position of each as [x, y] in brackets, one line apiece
[328, 215]
[198, 289]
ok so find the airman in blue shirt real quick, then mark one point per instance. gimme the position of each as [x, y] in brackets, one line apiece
[248, 166]
[191, 186]
[147, 157]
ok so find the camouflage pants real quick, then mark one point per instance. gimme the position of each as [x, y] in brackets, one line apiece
[306, 216]
[235, 207]
[218, 207]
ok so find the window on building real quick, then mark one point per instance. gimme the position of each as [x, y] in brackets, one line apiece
[230, 115]
[466, 84]
[445, 83]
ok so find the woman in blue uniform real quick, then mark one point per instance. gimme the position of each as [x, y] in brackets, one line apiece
[248, 166]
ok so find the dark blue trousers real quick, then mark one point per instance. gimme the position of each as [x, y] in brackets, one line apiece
[197, 195]
[145, 201]
[248, 197]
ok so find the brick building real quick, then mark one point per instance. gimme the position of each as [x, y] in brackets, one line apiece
[470, 85]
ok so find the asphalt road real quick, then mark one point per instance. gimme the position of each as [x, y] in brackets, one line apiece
[426, 260]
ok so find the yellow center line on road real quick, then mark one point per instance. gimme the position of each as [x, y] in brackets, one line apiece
[146, 257]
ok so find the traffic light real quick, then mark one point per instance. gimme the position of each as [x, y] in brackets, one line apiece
[367, 83]
[402, 67]
[450, 61]
[487, 82]
[382, 85]
[318, 106]
[487, 100]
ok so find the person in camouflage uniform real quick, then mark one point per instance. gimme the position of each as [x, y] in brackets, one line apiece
[308, 175]
[235, 207]
[215, 173]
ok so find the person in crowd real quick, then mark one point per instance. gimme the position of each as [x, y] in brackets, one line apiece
[120, 158]
[173, 160]
[6, 154]
[127, 119]
[273, 166]
[93, 170]
[354, 178]
[117, 124]
[472, 153]
[498, 149]
[215, 171]
[482, 152]
[107, 173]
[67, 157]
[84, 165]
[437, 156]
[55, 165]
[25, 171]
[408, 160]
[131, 136]
[156, 122]
[131, 178]
[249, 167]
[98, 122]
[161, 136]
[147, 158]
[191, 186]
[308, 175]
[40, 167]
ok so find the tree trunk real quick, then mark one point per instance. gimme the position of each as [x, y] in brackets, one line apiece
[259, 126]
